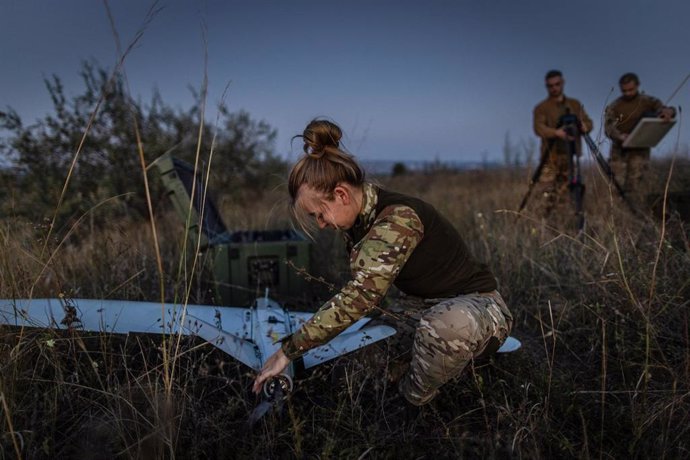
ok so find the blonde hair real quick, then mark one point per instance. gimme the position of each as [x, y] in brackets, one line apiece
[323, 166]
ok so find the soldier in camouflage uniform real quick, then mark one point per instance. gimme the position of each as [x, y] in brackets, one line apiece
[630, 165]
[392, 239]
[551, 191]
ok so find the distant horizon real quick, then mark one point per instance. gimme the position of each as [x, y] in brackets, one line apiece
[381, 166]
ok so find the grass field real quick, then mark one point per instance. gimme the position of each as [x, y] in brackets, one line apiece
[604, 371]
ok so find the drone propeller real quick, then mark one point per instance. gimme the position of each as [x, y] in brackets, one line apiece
[275, 391]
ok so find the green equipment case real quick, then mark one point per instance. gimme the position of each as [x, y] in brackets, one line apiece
[243, 263]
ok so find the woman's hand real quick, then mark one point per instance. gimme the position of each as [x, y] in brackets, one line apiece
[275, 365]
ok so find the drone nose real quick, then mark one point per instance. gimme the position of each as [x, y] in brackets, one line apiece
[278, 385]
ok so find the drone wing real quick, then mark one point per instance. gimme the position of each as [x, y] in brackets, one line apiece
[247, 335]
[351, 339]
[511, 344]
[239, 348]
[89, 315]
[118, 316]
[224, 327]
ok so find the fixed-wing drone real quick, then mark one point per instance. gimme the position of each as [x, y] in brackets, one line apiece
[249, 335]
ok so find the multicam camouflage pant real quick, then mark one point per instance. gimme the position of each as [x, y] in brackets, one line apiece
[551, 191]
[631, 168]
[449, 335]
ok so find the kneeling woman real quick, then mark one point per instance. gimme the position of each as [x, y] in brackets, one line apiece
[392, 239]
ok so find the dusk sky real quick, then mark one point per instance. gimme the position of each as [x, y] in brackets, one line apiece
[406, 80]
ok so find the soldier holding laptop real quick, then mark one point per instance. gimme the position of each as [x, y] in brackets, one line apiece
[630, 164]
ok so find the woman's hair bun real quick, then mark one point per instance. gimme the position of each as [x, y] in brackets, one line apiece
[320, 136]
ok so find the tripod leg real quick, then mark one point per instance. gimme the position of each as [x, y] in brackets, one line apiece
[606, 168]
[576, 186]
[577, 192]
[534, 180]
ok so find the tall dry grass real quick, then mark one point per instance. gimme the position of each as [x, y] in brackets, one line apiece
[604, 371]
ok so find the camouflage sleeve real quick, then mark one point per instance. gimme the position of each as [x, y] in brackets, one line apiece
[375, 263]
[611, 121]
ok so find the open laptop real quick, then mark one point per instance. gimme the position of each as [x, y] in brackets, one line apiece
[648, 132]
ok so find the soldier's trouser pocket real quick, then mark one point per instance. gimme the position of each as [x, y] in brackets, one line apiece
[450, 334]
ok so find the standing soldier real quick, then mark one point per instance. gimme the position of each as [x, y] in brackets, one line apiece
[630, 164]
[552, 187]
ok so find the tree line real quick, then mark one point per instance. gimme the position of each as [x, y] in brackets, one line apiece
[36, 158]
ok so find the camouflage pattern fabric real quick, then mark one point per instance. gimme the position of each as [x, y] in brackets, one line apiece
[375, 262]
[448, 336]
[551, 191]
[631, 169]
[629, 165]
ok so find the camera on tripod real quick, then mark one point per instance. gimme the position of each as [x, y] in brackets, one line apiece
[570, 124]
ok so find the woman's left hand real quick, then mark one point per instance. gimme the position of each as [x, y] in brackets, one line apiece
[275, 365]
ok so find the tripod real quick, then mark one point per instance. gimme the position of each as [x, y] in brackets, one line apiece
[570, 123]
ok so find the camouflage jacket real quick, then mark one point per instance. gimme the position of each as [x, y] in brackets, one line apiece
[396, 239]
[387, 241]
